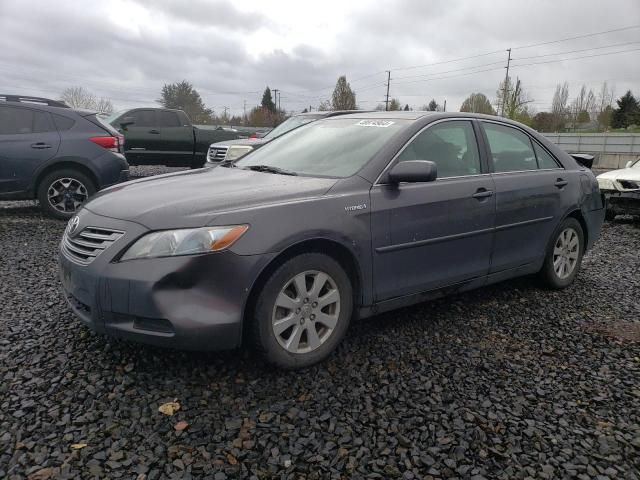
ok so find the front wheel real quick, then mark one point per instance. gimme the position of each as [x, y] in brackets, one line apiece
[564, 257]
[303, 311]
[62, 192]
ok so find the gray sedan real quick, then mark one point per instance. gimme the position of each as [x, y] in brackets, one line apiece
[345, 217]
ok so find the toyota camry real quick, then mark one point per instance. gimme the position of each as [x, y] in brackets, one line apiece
[343, 218]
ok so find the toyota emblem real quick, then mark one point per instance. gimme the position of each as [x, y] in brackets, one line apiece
[73, 225]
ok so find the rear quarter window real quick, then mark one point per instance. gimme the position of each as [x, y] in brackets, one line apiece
[63, 123]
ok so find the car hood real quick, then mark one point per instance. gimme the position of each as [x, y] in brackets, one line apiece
[194, 198]
[623, 174]
[252, 142]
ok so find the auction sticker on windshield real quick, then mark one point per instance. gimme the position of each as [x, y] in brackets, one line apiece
[375, 123]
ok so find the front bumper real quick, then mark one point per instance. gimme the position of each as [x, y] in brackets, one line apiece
[188, 303]
[623, 203]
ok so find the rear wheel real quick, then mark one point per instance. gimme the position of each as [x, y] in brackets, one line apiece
[564, 257]
[303, 311]
[62, 192]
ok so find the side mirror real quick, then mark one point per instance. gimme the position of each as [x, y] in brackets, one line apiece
[413, 171]
[629, 163]
[126, 121]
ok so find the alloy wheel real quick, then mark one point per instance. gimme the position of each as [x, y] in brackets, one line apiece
[566, 252]
[306, 311]
[67, 194]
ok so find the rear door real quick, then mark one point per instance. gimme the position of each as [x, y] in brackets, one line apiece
[434, 234]
[140, 138]
[176, 139]
[28, 138]
[530, 186]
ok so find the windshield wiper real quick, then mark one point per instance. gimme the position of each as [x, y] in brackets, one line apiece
[270, 169]
[227, 163]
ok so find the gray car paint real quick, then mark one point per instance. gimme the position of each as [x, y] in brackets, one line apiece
[409, 242]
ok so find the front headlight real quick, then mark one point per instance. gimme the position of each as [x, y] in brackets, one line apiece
[189, 241]
[605, 184]
[236, 151]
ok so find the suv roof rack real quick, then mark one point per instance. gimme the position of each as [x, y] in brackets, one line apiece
[20, 98]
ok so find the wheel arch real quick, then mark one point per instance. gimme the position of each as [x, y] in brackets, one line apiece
[338, 251]
[577, 214]
[61, 166]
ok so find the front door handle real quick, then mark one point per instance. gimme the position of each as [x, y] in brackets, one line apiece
[154, 131]
[40, 145]
[482, 193]
[560, 183]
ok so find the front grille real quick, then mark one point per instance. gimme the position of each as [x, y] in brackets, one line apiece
[216, 154]
[89, 243]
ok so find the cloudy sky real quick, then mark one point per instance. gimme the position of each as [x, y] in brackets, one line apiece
[127, 49]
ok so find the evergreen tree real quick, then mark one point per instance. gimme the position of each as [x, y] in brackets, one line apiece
[406, 108]
[343, 97]
[627, 113]
[267, 100]
[182, 96]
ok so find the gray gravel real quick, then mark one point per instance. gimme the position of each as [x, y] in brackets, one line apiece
[510, 381]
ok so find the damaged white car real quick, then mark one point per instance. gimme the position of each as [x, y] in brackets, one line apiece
[622, 189]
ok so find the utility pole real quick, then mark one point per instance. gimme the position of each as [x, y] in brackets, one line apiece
[225, 112]
[506, 81]
[444, 109]
[275, 97]
[386, 102]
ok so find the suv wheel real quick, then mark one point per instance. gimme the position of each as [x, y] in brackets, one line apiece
[62, 192]
[303, 311]
[564, 256]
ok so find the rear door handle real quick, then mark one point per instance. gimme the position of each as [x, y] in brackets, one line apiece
[154, 131]
[482, 193]
[40, 145]
[560, 183]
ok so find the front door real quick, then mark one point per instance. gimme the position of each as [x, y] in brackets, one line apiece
[430, 235]
[28, 139]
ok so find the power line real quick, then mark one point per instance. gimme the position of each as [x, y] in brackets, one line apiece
[577, 37]
[577, 51]
[577, 58]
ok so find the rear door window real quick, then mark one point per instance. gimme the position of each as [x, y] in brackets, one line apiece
[511, 149]
[545, 160]
[168, 119]
[144, 118]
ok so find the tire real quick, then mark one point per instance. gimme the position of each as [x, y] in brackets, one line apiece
[79, 188]
[295, 318]
[564, 255]
[609, 215]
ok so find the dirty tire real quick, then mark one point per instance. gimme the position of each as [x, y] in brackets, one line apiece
[281, 288]
[58, 175]
[551, 274]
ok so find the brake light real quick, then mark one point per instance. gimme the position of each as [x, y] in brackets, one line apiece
[253, 136]
[111, 143]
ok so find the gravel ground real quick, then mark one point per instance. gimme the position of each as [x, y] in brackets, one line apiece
[510, 381]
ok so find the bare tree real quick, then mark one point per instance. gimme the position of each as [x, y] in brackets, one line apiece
[324, 106]
[515, 99]
[343, 97]
[78, 97]
[559, 107]
[603, 105]
[582, 105]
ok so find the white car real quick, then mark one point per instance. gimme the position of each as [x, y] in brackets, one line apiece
[622, 189]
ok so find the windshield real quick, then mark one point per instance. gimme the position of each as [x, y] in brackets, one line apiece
[113, 116]
[291, 123]
[336, 147]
